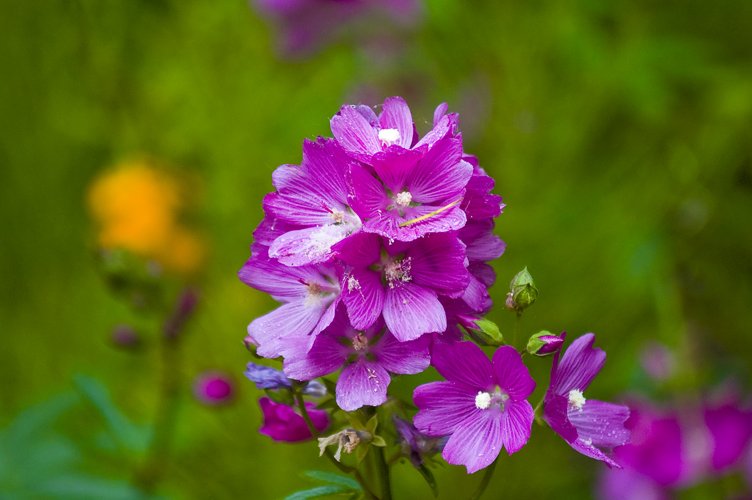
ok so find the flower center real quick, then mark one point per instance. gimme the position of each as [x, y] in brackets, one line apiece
[338, 216]
[485, 400]
[360, 342]
[389, 136]
[353, 284]
[397, 271]
[577, 399]
[403, 199]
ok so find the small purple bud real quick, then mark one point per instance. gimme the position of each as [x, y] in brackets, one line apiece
[283, 423]
[315, 389]
[214, 388]
[125, 337]
[266, 377]
[250, 344]
[183, 310]
[544, 343]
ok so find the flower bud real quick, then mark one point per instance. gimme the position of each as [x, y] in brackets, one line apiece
[214, 388]
[126, 338]
[544, 343]
[485, 332]
[522, 291]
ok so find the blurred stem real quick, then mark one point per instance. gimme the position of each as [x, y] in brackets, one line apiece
[383, 472]
[149, 474]
[516, 329]
[315, 433]
[485, 480]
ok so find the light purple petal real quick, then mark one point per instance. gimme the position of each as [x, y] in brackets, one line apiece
[363, 294]
[396, 115]
[290, 320]
[512, 374]
[487, 247]
[275, 279]
[308, 246]
[411, 311]
[601, 424]
[579, 365]
[516, 424]
[362, 383]
[464, 363]
[443, 406]
[354, 133]
[440, 175]
[476, 442]
[405, 358]
[416, 221]
[586, 448]
[326, 356]
[439, 113]
[327, 165]
[476, 296]
[444, 127]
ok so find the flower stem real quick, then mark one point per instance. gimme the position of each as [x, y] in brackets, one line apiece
[315, 433]
[484, 481]
[383, 472]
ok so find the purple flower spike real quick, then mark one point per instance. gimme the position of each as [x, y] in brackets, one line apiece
[482, 406]
[283, 423]
[366, 358]
[266, 377]
[591, 427]
[213, 388]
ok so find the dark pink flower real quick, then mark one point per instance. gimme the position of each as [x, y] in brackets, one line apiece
[284, 423]
[591, 427]
[214, 388]
[482, 406]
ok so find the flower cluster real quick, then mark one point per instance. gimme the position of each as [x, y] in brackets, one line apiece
[377, 247]
[376, 242]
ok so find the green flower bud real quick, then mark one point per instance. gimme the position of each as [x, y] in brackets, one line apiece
[544, 343]
[522, 291]
[484, 332]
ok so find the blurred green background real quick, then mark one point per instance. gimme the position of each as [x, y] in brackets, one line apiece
[619, 133]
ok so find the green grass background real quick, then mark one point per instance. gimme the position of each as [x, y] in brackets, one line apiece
[619, 133]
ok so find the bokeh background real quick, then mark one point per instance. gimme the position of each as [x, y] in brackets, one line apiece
[619, 133]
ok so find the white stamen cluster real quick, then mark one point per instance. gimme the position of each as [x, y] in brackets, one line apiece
[482, 400]
[389, 136]
[403, 199]
[338, 216]
[576, 399]
[353, 284]
[360, 342]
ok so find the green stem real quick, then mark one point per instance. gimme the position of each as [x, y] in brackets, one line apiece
[484, 481]
[153, 467]
[517, 320]
[383, 471]
[315, 433]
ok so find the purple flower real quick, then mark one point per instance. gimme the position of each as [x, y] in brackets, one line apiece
[410, 193]
[364, 135]
[403, 281]
[283, 423]
[310, 295]
[312, 199]
[213, 388]
[591, 427]
[730, 429]
[366, 358]
[482, 406]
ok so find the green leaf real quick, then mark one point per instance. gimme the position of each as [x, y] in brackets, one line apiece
[333, 478]
[318, 492]
[428, 476]
[372, 423]
[378, 441]
[129, 436]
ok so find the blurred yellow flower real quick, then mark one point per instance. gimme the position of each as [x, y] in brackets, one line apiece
[137, 207]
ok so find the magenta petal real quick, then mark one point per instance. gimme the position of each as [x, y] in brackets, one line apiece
[512, 374]
[359, 250]
[417, 221]
[475, 443]
[731, 430]
[354, 133]
[464, 363]
[555, 409]
[579, 365]
[476, 296]
[294, 319]
[444, 127]
[516, 424]
[396, 115]
[362, 383]
[405, 358]
[283, 423]
[366, 194]
[487, 247]
[438, 262]
[363, 294]
[601, 424]
[411, 311]
[326, 165]
[394, 166]
[440, 175]
[443, 407]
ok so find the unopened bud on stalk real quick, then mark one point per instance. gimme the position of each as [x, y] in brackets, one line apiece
[544, 343]
[522, 292]
[484, 332]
